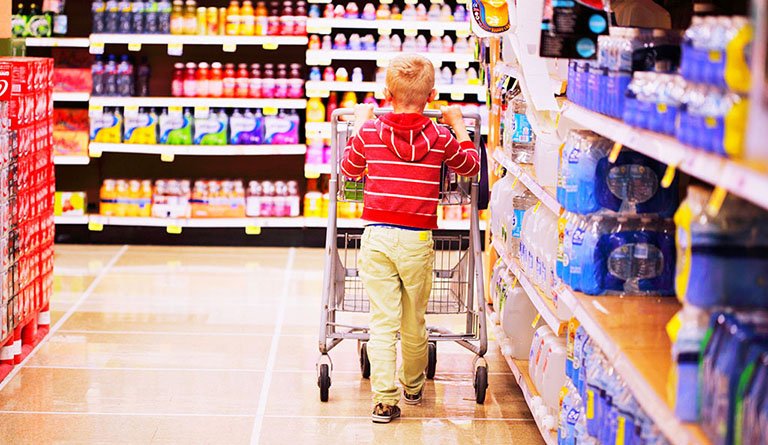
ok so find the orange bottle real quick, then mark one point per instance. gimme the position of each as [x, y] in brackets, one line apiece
[247, 19]
[233, 18]
[177, 17]
[261, 19]
[315, 110]
[349, 100]
[107, 197]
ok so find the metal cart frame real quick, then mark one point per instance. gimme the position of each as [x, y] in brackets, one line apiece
[457, 278]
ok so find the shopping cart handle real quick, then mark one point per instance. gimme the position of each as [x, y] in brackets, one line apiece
[382, 111]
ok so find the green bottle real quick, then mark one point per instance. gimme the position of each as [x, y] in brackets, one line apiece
[19, 21]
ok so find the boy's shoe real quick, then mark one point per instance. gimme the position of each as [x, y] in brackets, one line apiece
[412, 399]
[385, 413]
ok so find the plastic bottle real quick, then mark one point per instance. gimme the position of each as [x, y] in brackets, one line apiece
[517, 311]
[112, 16]
[97, 74]
[295, 82]
[124, 78]
[281, 82]
[98, 13]
[242, 82]
[162, 19]
[261, 24]
[216, 80]
[315, 110]
[349, 100]
[273, 20]
[202, 80]
[247, 19]
[523, 138]
[255, 81]
[177, 17]
[138, 12]
[190, 80]
[233, 18]
[110, 77]
[190, 17]
[124, 17]
[152, 18]
[229, 82]
[177, 82]
[268, 84]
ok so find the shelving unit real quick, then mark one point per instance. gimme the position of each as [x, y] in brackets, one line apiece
[733, 176]
[201, 102]
[322, 89]
[200, 150]
[325, 25]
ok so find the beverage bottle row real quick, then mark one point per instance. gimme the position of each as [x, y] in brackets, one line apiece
[131, 17]
[393, 43]
[30, 21]
[436, 12]
[238, 19]
[319, 112]
[217, 80]
[120, 79]
[273, 199]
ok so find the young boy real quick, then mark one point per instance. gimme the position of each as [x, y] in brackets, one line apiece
[403, 152]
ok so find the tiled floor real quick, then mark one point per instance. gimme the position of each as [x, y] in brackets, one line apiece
[161, 345]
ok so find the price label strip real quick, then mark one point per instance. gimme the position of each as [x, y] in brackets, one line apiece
[134, 47]
[271, 46]
[167, 157]
[175, 49]
[229, 47]
[96, 48]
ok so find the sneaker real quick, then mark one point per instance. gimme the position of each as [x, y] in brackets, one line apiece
[385, 413]
[412, 399]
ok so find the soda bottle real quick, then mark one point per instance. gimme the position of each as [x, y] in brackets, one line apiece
[110, 77]
[98, 11]
[247, 19]
[243, 82]
[177, 84]
[151, 14]
[190, 80]
[111, 17]
[97, 74]
[229, 80]
[125, 17]
[124, 77]
[216, 82]
[233, 18]
[190, 17]
[177, 18]
[203, 89]
[163, 18]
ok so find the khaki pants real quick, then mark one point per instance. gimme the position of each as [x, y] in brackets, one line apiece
[396, 269]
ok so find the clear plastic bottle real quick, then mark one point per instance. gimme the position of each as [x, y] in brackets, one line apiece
[110, 77]
[523, 139]
[125, 87]
[97, 74]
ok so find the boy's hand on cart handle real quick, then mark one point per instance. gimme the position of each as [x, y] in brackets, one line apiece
[452, 117]
[363, 113]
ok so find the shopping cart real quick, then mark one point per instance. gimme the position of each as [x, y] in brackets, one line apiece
[457, 289]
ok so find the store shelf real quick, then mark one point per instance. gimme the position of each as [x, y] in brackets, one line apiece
[71, 160]
[323, 89]
[519, 369]
[325, 25]
[97, 221]
[169, 39]
[58, 42]
[325, 57]
[734, 177]
[204, 102]
[71, 220]
[543, 305]
[200, 150]
[61, 96]
[526, 176]
[639, 349]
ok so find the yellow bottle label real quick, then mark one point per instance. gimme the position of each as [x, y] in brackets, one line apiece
[683, 220]
[621, 429]
[737, 72]
[735, 128]
[590, 404]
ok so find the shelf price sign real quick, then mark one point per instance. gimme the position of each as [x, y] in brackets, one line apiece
[229, 47]
[252, 229]
[271, 46]
[175, 49]
[134, 47]
[96, 48]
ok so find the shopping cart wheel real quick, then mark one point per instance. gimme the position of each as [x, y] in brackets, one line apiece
[432, 360]
[365, 364]
[481, 384]
[324, 382]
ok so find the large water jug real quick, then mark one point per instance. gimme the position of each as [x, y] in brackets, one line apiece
[549, 345]
[502, 194]
[537, 344]
[517, 313]
[553, 374]
[722, 260]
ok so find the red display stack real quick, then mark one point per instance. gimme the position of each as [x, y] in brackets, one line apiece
[26, 205]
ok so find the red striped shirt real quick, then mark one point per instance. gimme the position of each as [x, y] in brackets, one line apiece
[403, 155]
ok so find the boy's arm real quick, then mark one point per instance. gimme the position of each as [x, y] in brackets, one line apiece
[353, 159]
[460, 152]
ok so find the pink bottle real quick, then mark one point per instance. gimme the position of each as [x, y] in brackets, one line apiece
[243, 82]
[268, 81]
[190, 80]
[177, 84]
[281, 83]
[295, 83]
[254, 85]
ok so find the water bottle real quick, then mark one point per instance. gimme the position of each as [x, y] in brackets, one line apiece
[112, 17]
[142, 79]
[125, 17]
[97, 74]
[523, 137]
[110, 77]
[164, 9]
[98, 11]
[124, 80]
[151, 24]
[137, 16]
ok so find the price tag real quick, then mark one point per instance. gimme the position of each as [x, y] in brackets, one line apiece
[229, 47]
[175, 49]
[173, 229]
[318, 29]
[252, 230]
[269, 111]
[614, 155]
[95, 226]
[382, 62]
[134, 47]
[202, 112]
[669, 176]
[175, 110]
[411, 32]
[318, 93]
[716, 201]
[310, 172]
[385, 31]
[464, 32]
[379, 95]
[457, 96]
[167, 157]
[94, 151]
[438, 32]
[536, 320]
[462, 64]
[271, 46]
[318, 57]
[95, 110]
[131, 110]
[96, 48]
[536, 207]
[385, 2]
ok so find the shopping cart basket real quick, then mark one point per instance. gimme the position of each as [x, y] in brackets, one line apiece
[457, 289]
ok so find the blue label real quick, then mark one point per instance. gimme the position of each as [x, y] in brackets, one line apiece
[517, 223]
[597, 24]
[578, 237]
[585, 47]
[521, 130]
[574, 155]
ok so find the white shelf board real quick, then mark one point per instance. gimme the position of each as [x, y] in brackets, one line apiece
[322, 88]
[170, 39]
[196, 222]
[71, 219]
[71, 160]
[61, 96]
[544, 309]
[737, 178]
[58, 42]
[201, 150]
[210, 102]
[315, 170]
[319, 25]
[528, 180]
[325, 56]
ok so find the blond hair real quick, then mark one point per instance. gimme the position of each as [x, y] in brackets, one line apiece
[410, 79]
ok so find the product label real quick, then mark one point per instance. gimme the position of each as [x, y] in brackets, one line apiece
[491, 15]
[516, 222]
[590, 404]
[521, 129]
[578, 237]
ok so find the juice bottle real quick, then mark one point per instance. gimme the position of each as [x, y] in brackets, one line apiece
[145, 207]
[134, 197]
[177, 17]
[107, 197]
[296, 82]
[222, 21]
[268, 81]
[315, 110]
[203, 86]
[300, 18]
[273, 20]
[202, 21]
[123, 198]
[212, 20]
[242, 82]
[190, 17]
[287, 21]
[247, 19]
[216, 80]
[349, 100]
[190, 80]
[313, 200]
[229, 80]
[333, 103]
[233, 18]
[177, 84]
[255, 83]
[261, 18]
[281, 83]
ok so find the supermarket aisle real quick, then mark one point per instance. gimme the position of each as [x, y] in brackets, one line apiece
[218, 346]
